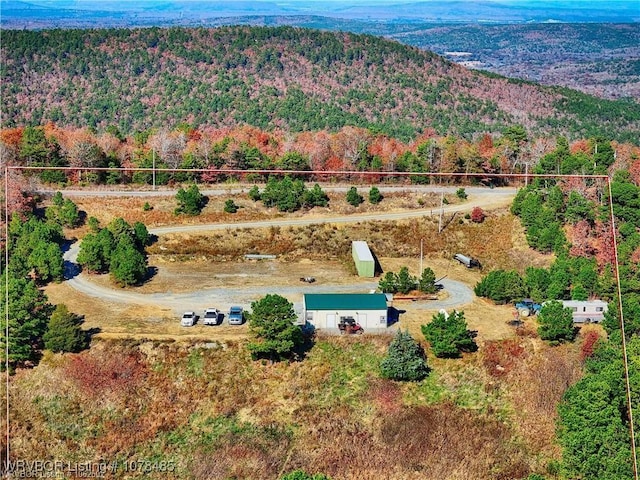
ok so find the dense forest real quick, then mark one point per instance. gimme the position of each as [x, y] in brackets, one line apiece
[191, 154]
[288, 78]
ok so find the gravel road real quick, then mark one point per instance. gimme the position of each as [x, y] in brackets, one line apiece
[459, 293]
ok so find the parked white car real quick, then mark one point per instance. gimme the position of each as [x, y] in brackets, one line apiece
[188, 319]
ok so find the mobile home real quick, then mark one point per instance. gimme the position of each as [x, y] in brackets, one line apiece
[587, 311]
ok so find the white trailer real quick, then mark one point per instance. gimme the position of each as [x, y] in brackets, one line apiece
[588, 311]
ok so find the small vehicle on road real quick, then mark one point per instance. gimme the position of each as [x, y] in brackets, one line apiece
[236, 316]
[211, 316]
[188, 319]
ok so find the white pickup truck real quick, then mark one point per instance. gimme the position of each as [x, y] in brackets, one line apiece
[211, 316]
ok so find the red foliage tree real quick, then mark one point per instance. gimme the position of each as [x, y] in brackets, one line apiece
[588, 345]
[477, 215]
[580, 237]
[605, 253]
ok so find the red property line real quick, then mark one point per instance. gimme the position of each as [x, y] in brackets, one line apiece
[362, 174]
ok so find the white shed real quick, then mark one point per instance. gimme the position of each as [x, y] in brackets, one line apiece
[324, 310]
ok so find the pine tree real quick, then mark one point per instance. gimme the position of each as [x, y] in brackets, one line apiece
[449, 335]
[271, 322]
[128, 265]
[427, 282]
[556, 323]
[375, 196]
[405, 360]
[29, 313]
[353, 197]
[63, 332]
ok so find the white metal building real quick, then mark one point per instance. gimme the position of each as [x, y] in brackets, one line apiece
[586, 311]
[326, 310]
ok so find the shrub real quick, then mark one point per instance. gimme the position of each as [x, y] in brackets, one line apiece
[302, 475]
[254, 193]
[230, 206]
[375, 196]
[146, 207]
[477, 215]
[405, 360]
[461, 194]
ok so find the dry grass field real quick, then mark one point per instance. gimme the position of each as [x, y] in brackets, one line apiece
[150, 389]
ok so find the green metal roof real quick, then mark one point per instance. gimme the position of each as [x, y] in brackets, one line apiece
[345, 301]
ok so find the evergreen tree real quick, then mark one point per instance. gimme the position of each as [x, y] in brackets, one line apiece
[427, 283]
[29, 312]
[128, 266]
[190, 201]
[353, 197]
[316, 197]
[405, 360]
[63, 332]
[375, 196]
[271, 322]
[406, 281]
[141, 234]
[556, 323]
[389, 283]
[449, 335]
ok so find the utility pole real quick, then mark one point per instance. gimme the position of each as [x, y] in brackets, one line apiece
[441, 212]
[153, 161]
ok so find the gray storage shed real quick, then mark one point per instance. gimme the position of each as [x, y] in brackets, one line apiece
[363, 258]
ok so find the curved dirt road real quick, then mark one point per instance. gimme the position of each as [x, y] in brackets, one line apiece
[459, 293]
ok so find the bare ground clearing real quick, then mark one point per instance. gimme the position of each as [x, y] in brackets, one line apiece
[194, 262]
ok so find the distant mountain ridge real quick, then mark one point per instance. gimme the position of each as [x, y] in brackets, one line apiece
[113, 13]
[288, 78]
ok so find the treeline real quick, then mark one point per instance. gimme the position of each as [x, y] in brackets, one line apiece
[35, 247]
[355, 149]
[35, 251]
[289, 78]
[571, 218]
